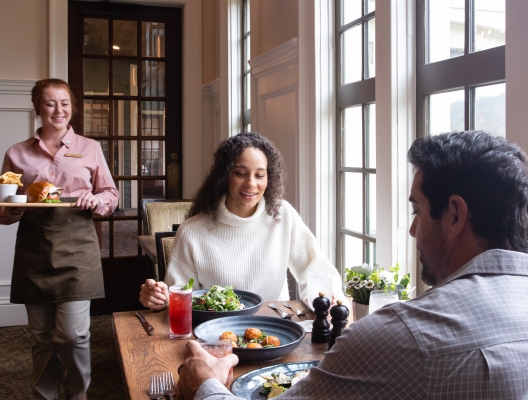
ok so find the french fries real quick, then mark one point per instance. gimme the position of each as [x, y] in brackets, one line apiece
[11, 178]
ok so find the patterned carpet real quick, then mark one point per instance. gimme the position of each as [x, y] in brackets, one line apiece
[15, 367]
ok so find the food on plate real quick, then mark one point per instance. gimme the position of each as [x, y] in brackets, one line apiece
[252, 338]
[279, 383]
[271, 341]
[252, 333]
[10, 178]
[43, 192]
[218, 298]
[229, 336]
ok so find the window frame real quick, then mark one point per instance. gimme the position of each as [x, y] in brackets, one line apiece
[360, 93]
[468, 71]
[245, 90]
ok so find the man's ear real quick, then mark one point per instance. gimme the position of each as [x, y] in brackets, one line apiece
[457, 216]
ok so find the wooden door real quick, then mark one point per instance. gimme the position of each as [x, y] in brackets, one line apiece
[125, 70]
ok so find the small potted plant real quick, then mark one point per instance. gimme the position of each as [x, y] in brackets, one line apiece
[363, 279]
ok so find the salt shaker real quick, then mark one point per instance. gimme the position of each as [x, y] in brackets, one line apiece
[339, 314]
[321, 327]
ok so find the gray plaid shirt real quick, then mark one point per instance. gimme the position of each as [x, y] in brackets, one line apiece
[466, 338]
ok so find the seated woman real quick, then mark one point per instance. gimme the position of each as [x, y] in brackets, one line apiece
[241, 232]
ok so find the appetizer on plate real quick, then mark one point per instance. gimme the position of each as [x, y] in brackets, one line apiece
[279, 383]
[218, 298]
[252, 338]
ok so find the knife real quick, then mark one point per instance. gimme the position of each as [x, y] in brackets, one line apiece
[149, 328]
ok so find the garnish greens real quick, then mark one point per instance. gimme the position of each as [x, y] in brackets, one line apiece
[279, 383]
[243, 342]
[218, 298]
[189, 285]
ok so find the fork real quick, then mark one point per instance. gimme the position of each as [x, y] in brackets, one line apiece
[156, 391]
[282, 313]
[297, 311]
[168, 384]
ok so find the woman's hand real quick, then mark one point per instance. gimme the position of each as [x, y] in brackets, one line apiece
[154, 295]
[87, 201]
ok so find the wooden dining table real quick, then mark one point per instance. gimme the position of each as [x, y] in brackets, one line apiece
[141, 355]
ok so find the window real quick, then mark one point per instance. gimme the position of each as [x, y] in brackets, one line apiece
[356, 132]
[460, 66]
[246, 72]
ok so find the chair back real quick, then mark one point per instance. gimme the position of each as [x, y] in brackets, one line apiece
[164, 242]
[160, 216]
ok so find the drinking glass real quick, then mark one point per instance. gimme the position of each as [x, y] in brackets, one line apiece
[180, 312]
[219, 349]
[318, 281]
[380, 298]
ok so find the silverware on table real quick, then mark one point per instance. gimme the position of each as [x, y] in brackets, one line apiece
[168, 385]
[156, 390]
[299, 313]
[149, 328]
[283, 314]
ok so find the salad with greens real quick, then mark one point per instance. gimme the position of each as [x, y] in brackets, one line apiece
[218, 298]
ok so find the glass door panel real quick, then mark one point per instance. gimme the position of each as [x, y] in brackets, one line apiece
[153, 79]
[153, 39]
[95, 36]
[124, 41]
[95, 77]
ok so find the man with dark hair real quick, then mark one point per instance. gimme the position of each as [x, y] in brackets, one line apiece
[466, 337]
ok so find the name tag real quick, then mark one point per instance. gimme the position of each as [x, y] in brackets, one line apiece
[73, 155]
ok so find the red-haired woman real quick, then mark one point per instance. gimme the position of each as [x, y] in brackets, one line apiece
[57, 266]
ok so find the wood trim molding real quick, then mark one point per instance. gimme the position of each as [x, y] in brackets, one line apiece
[214, 87]
[281, 57]
[317, 131]
[58, 39]
[19, 87]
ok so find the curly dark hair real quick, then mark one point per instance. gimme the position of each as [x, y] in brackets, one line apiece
[489, 173]
[217, 182]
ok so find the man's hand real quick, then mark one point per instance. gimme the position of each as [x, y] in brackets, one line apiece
[154, 295]
[200, 366]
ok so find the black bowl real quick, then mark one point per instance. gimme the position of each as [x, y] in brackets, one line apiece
[289, 333]
[251, 301]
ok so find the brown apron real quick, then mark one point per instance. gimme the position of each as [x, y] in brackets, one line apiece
[57, 257]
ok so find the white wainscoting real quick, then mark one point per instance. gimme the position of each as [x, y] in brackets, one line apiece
[17, 123]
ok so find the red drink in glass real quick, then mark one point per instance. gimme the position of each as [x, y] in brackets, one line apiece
[180, 312]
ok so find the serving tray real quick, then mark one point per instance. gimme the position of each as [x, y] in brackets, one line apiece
[37, 205]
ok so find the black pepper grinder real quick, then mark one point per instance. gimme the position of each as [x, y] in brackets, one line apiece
[321, 327]
[339, 314]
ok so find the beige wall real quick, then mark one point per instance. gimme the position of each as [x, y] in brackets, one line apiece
[278, 23]
[24, 43]
[210, 40]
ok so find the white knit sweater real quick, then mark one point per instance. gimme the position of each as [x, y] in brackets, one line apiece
[251, 254]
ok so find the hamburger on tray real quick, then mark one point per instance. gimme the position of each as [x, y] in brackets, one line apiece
[43, 192]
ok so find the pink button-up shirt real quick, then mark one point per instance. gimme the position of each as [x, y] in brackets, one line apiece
[77, 166]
